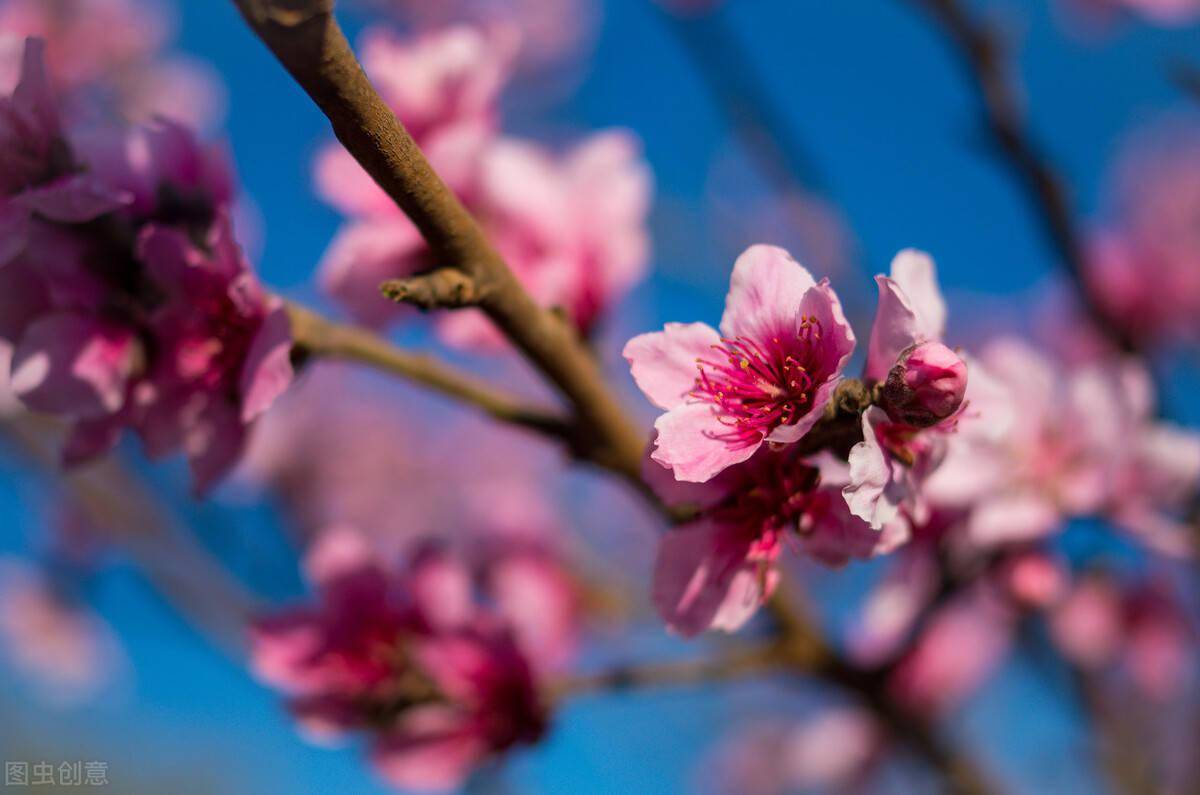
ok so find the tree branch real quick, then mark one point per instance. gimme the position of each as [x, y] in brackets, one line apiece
[732, 664]
[307, 40]
[982, 52]
[317, 336]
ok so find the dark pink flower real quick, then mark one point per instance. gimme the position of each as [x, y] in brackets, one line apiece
[148, 319]
[405, 656]
[717, 570]
[766, 377]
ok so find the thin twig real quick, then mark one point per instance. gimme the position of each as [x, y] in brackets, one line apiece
[732, 664]
[983, 54]
[307, 40]
[318, 336]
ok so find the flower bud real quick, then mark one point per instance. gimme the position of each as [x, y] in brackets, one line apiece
[925, 386]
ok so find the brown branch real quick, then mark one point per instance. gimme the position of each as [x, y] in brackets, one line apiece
[732, 664]
[307, 40]
[983, 54]
[444, 288]
[317, 336]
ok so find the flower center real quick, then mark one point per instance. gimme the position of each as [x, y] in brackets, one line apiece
[757, 386]
[774, 497]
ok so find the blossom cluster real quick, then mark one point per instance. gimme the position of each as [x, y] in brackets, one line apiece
[743, 405]
[123, 293]
[570, 224]
[408, 654]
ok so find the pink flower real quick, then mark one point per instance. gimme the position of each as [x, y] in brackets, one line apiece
[69, 652]
[837, 749]
[1141, 627]
[715, 571]
[911, 310]
[443, 87]
[1082, 443]
[1141, 262]
[438, 684]
[37, 173]
[335, 451]
[550, 31]
[169, 335]
[963, 644]
[571, 226]
[765, 378]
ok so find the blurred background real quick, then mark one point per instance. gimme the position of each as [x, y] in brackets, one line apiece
[877, 146]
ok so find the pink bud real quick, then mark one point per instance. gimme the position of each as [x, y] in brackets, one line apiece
[925, 386]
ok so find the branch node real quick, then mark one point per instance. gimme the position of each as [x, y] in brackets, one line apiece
[444, 288]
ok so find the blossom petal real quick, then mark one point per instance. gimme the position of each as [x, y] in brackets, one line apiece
[268, 368]
[431, 751]
[703, 580]
[14, 229]
[895, 328]
[765, 293]
[72, 364]
[1012, 518]
[916, 276]
[664, 362]
[873, 494]
[688, 442]
[441, 588]
[363, 255]
[74, 200]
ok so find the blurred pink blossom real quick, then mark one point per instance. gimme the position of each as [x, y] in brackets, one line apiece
[406, 656]
[835, 750]
[152, 322]
[766, 377]
[571, 226]
[1142, 262]
[550, 31]
[962, 645]
[111, 52]
[334, 451]
[1102, 13]
[1142, 627]
[66, 650]
[1083, 441]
